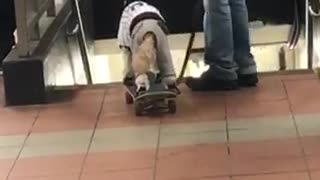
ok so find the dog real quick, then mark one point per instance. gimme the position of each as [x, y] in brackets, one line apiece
[144, 60]
[142, 38]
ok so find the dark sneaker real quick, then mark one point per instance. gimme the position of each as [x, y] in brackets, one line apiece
[208, 83]
[212, 85]
[248, 80]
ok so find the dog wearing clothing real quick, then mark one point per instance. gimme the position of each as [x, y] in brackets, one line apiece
[142, 38]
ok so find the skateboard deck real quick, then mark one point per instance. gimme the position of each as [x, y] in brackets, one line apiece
[156, 91]
[156, 98]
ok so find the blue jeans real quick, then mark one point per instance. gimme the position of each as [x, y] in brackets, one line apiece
[227, 42]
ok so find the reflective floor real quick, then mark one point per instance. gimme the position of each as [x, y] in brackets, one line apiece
[266, 133]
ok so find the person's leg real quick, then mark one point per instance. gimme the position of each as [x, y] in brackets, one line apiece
[219, 39]
[247, 72]
[219, 54]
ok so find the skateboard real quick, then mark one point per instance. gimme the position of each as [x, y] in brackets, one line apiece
[156, 98]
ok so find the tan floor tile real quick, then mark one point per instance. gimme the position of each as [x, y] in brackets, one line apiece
[131, 138]
[280, 122]
[175, 140]
[195, 127]
[125, 119]
[65, 137]
[119, 161]
[54, 150]
[261, 129]
[58, 143]
[308, 125]
[9, 152]
[13, 140]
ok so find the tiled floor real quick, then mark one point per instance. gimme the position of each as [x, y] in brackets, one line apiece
[271, 132]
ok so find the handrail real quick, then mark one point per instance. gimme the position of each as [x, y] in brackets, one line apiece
[314, 11]
[37, 24]
[314, 8]
[29, 14]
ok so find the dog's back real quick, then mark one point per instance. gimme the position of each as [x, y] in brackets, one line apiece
[144, 59]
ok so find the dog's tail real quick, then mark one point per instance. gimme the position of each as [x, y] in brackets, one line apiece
[145, 57]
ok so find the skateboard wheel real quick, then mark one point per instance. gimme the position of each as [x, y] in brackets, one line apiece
[139, 107]
[129, 99]
[172, 106]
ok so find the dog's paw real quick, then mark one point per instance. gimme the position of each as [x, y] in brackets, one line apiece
[142, 82]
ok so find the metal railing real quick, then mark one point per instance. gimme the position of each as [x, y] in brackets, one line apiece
[32, 18]
[38, 22]
[313, 10]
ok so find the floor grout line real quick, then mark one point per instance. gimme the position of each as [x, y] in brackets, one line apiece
[92, 135]
[36, 117]
[298, 133]
[157, 153]
[227, 123]
[271, 173]
[227, 134]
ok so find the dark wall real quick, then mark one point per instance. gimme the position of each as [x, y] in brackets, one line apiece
[7, 27]
[179, 14]
[7, 16]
